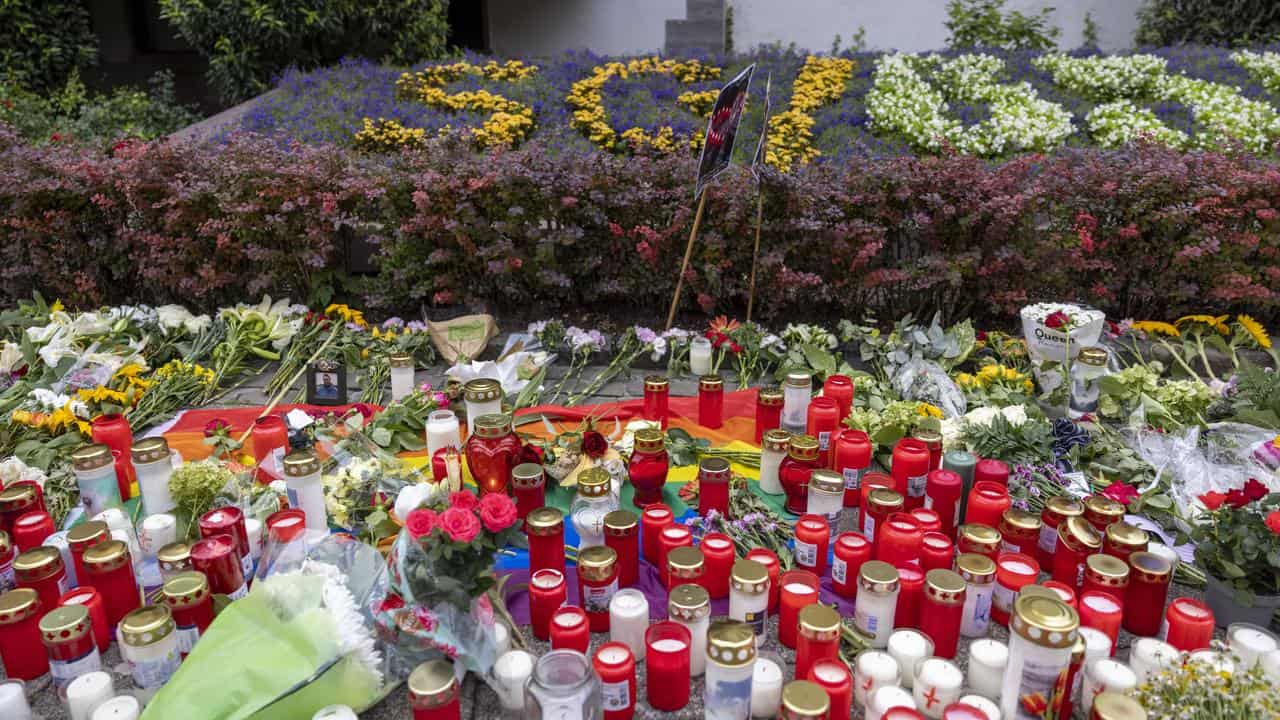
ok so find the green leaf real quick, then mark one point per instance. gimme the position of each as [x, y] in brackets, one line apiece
[1231, 571]
[381, 436]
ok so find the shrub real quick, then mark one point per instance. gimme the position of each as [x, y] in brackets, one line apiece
[43, 41]
[1233, 23]
[250, 42]
[984, 24]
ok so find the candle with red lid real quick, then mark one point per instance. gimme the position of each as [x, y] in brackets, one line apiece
[769, 559]
[1105, 573]
[794, 472]
[1077, 540]
[711, 401]
[528, 487]
[910, 597]
[799, 590]
[216, 557]
[840, 389]
[648, 467]
[851, 457]
[545, 529]
[652, 520]
[672, 537]
[942, 611]
[713, 486]
[898, 540]
[978, 538]
[570, 629]
[1149, 577]
[616, 666]
[1014, 571]
[936, 551]
[31, 529]
[942, 495]
[41, 569]
[92, 599]
[622, 533]
[667, 665]
[991, 470]
[21, 649]
[548, 592]
[812, 535]
[910, 470]
[229, 521]
[987, 503]
[818, 637]
[768, 410]
[1065, 592]
[1101, 611]
[834, 677]
[823, 419]
[929, 520]
[1188, 624]
[657, 390]
[718, 554]
[851, 550]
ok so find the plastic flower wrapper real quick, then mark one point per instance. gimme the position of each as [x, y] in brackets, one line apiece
[361, 482]
[513, 370]
[1197, 461]
[926, 381]
[297, 642]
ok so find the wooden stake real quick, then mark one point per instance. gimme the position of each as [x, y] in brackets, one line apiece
[755, 252]
[684, 265]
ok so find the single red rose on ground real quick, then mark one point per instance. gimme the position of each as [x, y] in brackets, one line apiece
[464, 499]
[594, 444]
[421, 522]
[1213, 500]
[365, 409]
[1273, 521]
[1254, 490]
[1056, 320]
[460, 525]
[497, 512]
[1236, 498]
[215, 425]
[1122, 493]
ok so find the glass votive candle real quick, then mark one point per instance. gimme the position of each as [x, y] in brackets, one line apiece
[991, 470]
[898, 540]
[1248, 642]
[936, 551]
[88, 596]
[442, 432]
[909, 648]
[872, 670]
[983, 709]
[528, 487]
[671, 537]
[1056, 511]
[570, 629]
[886, 700]
[622, 534]
[653, 520]
[690, 606]
[1188, 624]
[818, 638]
[768, 412]
[730, 648]
[910, 597]
[1149, 577]
[110, 570]
[1013, 572]
[616, 666]
[928, 519]
[1148, 656]
[1096, 645]
[718, 556]
[684, 565]
[987, 503]
[942, 495]
[766, 686]
[510, 673]
[797, 392]
[799, 589]
[648, 467]
[1019, 531]
[795, 470]
[1077, 540]
[749, 595]
[987, 658]
[545, 530]
[840, 389]
[667, 665]
[1100, 511]
[877, 601]
[597, 582]
[481, 396]
[938, 683]
[711, 401]
[1105, 675]
[1102, 611]
[812, 534]
[804, 700]
[657, 391]
[1106, 573]
[880, 504]
[979, 573]
[823, 417]
[773, 450]
[713, 486]
[1121, 540]
[826, 496]
[910, 466]
[1213, 660]
[943, 610]
[851, 458]
[434, 692]
[835, 678]
[769, 559]
[1062, 591]
[851, 550]
[42, 569]
[628, 619]
[976, 538]
[1270, 663]
[700, 356]
[548, 592]
[67, 633]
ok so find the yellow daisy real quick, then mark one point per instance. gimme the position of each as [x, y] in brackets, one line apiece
[1255, 330]
[1155, 327]
[1218, 322]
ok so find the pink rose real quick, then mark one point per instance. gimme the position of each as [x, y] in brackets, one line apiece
[462, 499]
[421, 522]
[497, 512]
[460, 525]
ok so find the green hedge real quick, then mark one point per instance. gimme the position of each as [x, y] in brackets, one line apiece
[43, 41]
[1233, 23]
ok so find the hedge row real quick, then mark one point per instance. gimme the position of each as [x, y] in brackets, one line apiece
[1141, 232]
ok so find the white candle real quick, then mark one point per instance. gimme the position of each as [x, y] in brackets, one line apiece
[442, 431]
[157, 531]
[1248, 642]
[1097, 644]
[58, 540]
[87, 692]
[909, 647]
[771, 458]
[501, 638]
[1105, 675]
[987, 659]
[797, 391]
[1167, 553]
[982, 705]
[1270, 663]
[670, 645]
[153, 484]
[873, 669]
[938, 683]
[335, 712]
[401, 379]
[628, 620]
[885, 698]
[873, 614]
[1216, 661]
[121, 707]
[13, 701]
[510, 672]
[122, 529]
[700, 356]
[766, 688]
[1148, 656]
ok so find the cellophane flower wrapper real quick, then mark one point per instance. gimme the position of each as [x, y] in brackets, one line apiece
[361, 482]
[1197, 460]
[297, 642]
[925, 381]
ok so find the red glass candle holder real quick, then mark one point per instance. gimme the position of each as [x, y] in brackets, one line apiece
[713, 486]
[1065, 592]
[942, 495]
[823, 419]
[434, 692]
[18, 499]
[548, 592]
[851, 551]
[622, 533]
[110, 572]
[910, 470]
[1076, 541]
[229, 521]
[936, 551]
[1188, 624]
[113, 431]
[190, 601]
[879, 505]
[942, 610]
[652, 521]
[67, 634]
[545, 530]
[991, 470]
[910, 597]
[31, 529]
[799, 589]
[269, 436]
[667, 660]
[597, 582]
[1014, 571]
[718, 554]
[41, 569]
[616, 667]
[1056, 511]
[1149, 577]
[795, 469]
[1121, 540]
[928, 519]
[570, 629]
[977, 538]
[871, 481]
[1101, 611]
[769, 402]
[834, 677]
[82, 537]
[711, 401]
[769, 559]
[932, 439]
[529, 488]
[657, 391]
[840, 389]
[672, 537]
[492, 450]
[1105, 573]
[987, 503]
[216, 558]
[1101, 511]
[898, 540]
[812, 533]
[851, 457]
[648, 467]
[92, 599]
[818, 637]
[21, 648]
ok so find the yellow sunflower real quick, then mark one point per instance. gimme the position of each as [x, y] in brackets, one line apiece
[1155, 327]
[1255, 330]
[927, 410]
[131, 370]
[1217, 322]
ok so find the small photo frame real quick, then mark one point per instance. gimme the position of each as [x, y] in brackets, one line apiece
[327, 383]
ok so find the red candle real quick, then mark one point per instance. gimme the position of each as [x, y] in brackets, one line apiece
[597, 582]
[672, 537]
[67, 633]
[812, 535]
[943, 607]
[840, 389]
[648, 467]
[713, 486]
[657, 389]
[834, 677]
[110, 571]
[1056, 511]
[1188, 624]
[818, 638]
[547, 594]
[1019, 531]
[710, 401]
[942, 495]
[1063, 690]
[616, 666]
[871, 481]
[987, 503]
[768, 410]
[1014, 571]
[823, 419]
[851, 457]
[433, 692]
[1104, 573]
[92, 599]
[622, 533]
[1101, 611]
[666, 655]
[880, 504]
[41, 570]
[216, 558]
[529, 488]
[910, 470]
[570, 629]
[769, 559]
[229, 521]
[21, 649]
[19, 498]
[991, 470]
[31, 529]
[1101, 511]
[113, 431]
[981, 539]
[906, 613]
[1077, 540]
[191, 603]
[936, 551]
[851, 550]
[652, 521]
[718, 554]
[1065, 593]
[1149, 576]
[898, 540]
[270, 439]
[685, 565]
[1121, 540]
[932, 440]
[799, 590]
[82, 537]
[795, 469]
[545, 529]
[491, 451]
[928, 519]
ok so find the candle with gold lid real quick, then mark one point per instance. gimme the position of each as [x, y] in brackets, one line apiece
[877, 602]
[41, 569]
[690, 605]
[804, 700]
[481, 396]
[685, 565]
[1042, 636]
[1077, 540]
[979, 573]
[401, 364]
[768, 411]
[433, 691]
[795, 470]
[943, 610]
[773, 450]
[174, 559]
[20, 640]
[597, 583]
[1106, 573]
[622, 533]
[1019, 531]
[749, 595]
[657, 391]
[191, 601]
[730, 649]
[110, 571]
[1056, 511]
[711, 401]
[67, 633]
[1101, 511]
[1122, 540]
[978, 538]
[149, 642]
[819, 637]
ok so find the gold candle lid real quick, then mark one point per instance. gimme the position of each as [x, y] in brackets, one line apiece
[150, 450]
[400, 360]
[976, 568]
[1102, 510]
[1111, 705]
[1122, 534]
[301, 463]
[1039, 590]
[16, 497]
[878, 576]
[432, 684]
[819, 622]
[944, 586]
[65, 624]
[770, 395]
[688, 602]
[175, 553]
[482, 390]
[147, 625]
[685, 562]
[884, 500]
[88, 533]
[527, 476]
[928, 436]
[1107, 570]
[37, 564]
[711, 383]
[1079, 536]
[1093, 355]
[91, 457]
[776, 440]
[493, 425]
[656, 383]
[185, 589]
[106, 556]
[980, 535]
[803, 447]
[1149, 567]
[750, 577]
[1045, 621]
[827, 481]
[649, 440]
[804, 699]
[713, 469]
[593, 482]
[1016, 519]
[544, 521]
[800, 378]
[620, 523]
[1063, 506]
[597, 562]
[731, 643]
[18, 605]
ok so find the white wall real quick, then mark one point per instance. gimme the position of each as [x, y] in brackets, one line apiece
[609, 27]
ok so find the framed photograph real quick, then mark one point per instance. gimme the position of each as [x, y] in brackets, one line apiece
[327, 383]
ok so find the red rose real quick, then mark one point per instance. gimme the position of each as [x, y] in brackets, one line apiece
[594, 444]
[1236, 498]
[497, 512]
[1122, 493]
[460, 525]
[1273, 521]
[215, 425]
[1254, 490]
[1056, 320]
[1213, 500]
[531, 454]
[734, 347]
[365, 409]
[421, 522]
[463, 499]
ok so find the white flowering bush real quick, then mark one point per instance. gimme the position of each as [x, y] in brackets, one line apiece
[1263, 66]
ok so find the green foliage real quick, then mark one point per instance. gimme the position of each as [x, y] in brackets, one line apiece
[42, 42]
[1234, 23]
[1236, 546]
[984, 24]
[1256, 400]
[1027, 444]
[249, 42]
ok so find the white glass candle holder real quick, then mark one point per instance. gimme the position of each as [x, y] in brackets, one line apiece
[987, 659]
[1248, 642]
[153, 484]
[442, 431]
[510, 673]
[938, 683]
[1270, 663]
[885, 699]
[797, 391]
[1105, 675]
[1167, 553]
[401, 375]
[87, 692]
[983, 705]
[700, 356]
[120, 707]
[773, 451]
[628, 620]
[1096, 642]
[501, 638]
[13, 701]
[872, 670]
[909, 647]
[1148, 656]
[766, 686]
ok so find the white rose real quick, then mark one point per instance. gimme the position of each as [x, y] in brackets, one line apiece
[172, 317]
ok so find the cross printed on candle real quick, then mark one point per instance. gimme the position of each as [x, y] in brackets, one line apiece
[930, 698]
[867, 685]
